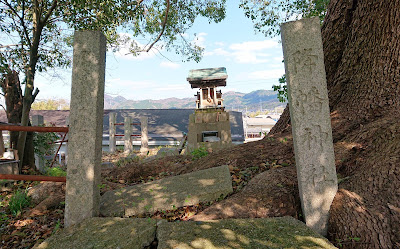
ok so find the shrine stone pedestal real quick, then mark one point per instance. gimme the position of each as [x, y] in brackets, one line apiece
[209, 128]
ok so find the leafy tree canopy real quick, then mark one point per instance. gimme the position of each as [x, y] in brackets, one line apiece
[48, 25]
[50, 104]
[267, 16]
[35, 34]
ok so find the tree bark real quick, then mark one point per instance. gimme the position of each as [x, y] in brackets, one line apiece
[361, 41]
[362, 46]
[30, 77]
[11, 88]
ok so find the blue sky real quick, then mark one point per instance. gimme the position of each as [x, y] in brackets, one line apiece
[252, 61]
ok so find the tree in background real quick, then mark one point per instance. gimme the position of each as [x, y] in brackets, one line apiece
[361, 41]
[50, 104]
[267, 16]
[12, 93]
[36, 35]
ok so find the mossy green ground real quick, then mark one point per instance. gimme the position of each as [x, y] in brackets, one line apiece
[100, 233]
[282, 232]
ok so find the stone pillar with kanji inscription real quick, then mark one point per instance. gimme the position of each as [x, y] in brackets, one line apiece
[310, 118]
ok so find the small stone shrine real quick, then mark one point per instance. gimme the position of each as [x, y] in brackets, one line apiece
[209, 125]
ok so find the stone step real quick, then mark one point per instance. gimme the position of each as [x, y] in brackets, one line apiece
[168, 193]
[281, 232]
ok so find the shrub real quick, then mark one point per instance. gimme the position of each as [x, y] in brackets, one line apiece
[199, 153]
[43, 143]
[55, 171]
[18, 201]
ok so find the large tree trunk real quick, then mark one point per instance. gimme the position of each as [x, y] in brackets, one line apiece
[362, 55]
[11, 88]
[29, 95]
[361, 40]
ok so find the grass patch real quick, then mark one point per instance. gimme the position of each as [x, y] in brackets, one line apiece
[199, 153]
[56, 171]
[18, 201]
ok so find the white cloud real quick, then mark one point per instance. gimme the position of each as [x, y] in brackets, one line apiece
[220, 44]
[249, 52]
[218, 52]
[266, 74]
[126, 84]
[200, 39]
[169, 64]
[130, 89]
[254, 45]
[246, 57]
[174, 87]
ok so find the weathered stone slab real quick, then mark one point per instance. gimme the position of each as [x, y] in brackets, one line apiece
[167, 152]
[168, 193]
[310, 117]
[107, 165]
[282, 232]
[104, 233]
[85, 127]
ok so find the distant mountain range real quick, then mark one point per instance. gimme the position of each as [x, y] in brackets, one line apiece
[253, 101]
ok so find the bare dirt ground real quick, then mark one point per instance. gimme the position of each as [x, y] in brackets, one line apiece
[45, 217]
[264, 181]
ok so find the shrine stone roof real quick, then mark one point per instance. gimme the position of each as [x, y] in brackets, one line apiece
[207, 77]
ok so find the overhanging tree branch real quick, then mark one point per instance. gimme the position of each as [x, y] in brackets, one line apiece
[35, 94]
[53, 6]
[164, 24]
[24, 26]
[21, 19]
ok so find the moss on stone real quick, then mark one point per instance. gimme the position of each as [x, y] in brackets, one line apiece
[283, 232]
[104, 233]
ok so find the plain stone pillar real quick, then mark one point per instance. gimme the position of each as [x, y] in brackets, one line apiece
[38, 120]
[85, 127]
[144, 148]
[112, 117]
[128, 147]
[310, 117]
